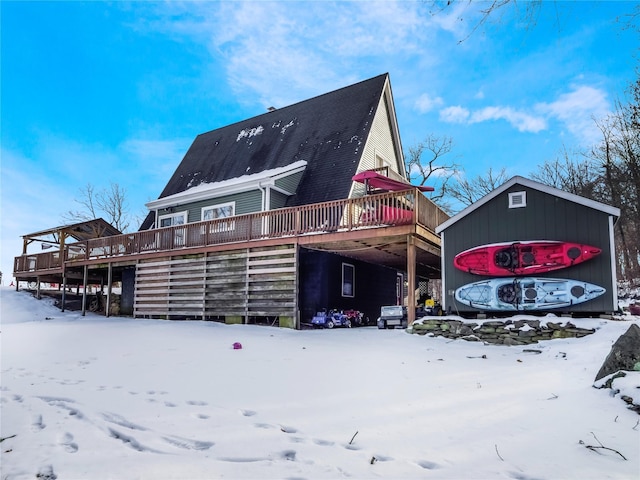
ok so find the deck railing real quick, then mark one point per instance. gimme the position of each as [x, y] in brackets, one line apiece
[393, 208]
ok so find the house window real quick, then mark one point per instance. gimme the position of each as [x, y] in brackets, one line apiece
[348, 280]
[383, 162]
[517, 199]
[399, 289]
[173, 220]
[216, 212]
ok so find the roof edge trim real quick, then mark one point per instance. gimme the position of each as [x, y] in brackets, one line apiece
[226, 187]
[614, 211]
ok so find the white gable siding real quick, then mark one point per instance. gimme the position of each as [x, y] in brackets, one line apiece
[380, 141]
[379, 144]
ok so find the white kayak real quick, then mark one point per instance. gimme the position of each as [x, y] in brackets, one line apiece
[526, 293]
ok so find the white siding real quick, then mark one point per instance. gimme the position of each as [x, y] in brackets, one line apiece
[379, 144]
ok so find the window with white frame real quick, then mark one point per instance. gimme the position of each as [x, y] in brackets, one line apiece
[382, 162]
[216, 212]
[173, 220]
[517, 199]
[348, 280]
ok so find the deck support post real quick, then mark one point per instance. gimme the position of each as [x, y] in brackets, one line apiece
[84, 289]
[107, 307]
[38, 288]
[411, 280]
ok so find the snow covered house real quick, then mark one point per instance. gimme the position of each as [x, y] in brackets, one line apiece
[522, 210]
[300, 209]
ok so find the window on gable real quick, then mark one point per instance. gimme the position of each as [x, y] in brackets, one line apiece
[217, 212]
[348, 280]
[517, 199]
[382, 162]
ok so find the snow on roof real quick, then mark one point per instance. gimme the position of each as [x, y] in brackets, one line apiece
[225, 187]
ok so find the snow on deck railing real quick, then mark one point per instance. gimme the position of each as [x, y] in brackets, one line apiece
[384, 209]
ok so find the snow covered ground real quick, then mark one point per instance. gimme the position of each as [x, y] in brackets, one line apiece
[117, 398]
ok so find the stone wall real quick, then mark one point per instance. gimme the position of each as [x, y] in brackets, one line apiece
[507, 332]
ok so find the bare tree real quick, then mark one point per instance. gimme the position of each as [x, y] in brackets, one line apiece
[618, 157]
[113, 203]
[610, 173]
[107, 203]
[527, 12]
[468, 191]
[424, 163]
[580, 177]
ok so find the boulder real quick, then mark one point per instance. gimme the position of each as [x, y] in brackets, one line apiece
[624, 355]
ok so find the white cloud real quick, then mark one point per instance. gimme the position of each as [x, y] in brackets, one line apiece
[454, 114]
[425, 103]
[520, 120]
[577, 110]
[284, 52]
[456, 18]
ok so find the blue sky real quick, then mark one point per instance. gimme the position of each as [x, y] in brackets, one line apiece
[102, 92]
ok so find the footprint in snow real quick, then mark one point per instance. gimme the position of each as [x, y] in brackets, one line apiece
[427, 465]
[66, 441]
[248, 413]
[37, 423]
[121, 421]
[127, 440]
[521, 476]
[288, 455]
[188, 444]
[46, 473]
[263, 425]
[243, 459]
[198, 403]
[323, 443]
[381, 458]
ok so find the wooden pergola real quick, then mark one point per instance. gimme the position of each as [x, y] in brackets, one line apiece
[80, 232]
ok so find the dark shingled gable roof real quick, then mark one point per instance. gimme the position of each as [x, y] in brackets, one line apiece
[327, 131]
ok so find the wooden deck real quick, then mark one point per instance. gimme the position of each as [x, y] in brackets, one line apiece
[246, 266]
[349, 225]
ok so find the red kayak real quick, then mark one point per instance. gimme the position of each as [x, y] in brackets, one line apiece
[523, 258]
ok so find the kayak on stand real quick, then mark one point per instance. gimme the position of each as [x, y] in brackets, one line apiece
[526, 293]
[523, 257]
